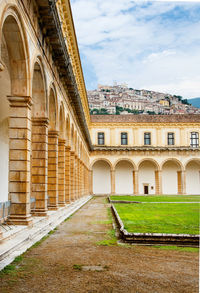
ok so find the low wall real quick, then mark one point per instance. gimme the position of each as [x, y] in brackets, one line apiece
[154, 238]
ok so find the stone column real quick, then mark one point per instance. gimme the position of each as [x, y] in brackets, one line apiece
[39, 164]
[78, 178]
[19, 159]
[184, 182]
[81, 177]
[135, 182]
[91, 181]
[67, 174]
[158, 182]
[53, 170]
[61, 172]
[75, 177]
[179, 182]
[72, 175]
[112, 172]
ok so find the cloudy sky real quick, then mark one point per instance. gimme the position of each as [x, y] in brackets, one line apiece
[147, 44]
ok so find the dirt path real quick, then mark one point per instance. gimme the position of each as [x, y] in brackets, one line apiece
[56, 264]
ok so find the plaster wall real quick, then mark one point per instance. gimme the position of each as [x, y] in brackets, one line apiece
[124, 178]
[169, 178]
[193, 179]
[101, 178]
[146, 176]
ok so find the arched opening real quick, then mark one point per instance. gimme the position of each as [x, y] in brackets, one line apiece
[193, 177]
[38, 93]
[101, 177]
[171, 177]
[124, 177]
[39, 142]
[147, 177]
[52, 152]
[5, 90]
[52, 111]
[13, 81]
[62, 123]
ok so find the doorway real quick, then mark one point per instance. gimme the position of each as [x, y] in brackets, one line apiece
[146, 189]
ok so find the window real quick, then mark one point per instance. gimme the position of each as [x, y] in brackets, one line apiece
[147, 138]
[170, 138]
[101, 138]
[124, 138]
[194, 139]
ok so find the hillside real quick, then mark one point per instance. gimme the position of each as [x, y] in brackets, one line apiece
[195, 102]
[121, 100]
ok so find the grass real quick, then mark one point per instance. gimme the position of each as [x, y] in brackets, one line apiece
[77, 267]
[178, 248]
[158, 198]
[175, 218]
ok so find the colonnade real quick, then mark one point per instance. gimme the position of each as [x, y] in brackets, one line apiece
[147, 177]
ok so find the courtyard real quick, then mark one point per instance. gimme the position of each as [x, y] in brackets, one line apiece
[83, 255]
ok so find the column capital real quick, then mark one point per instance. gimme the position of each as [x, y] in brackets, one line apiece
[20, 101]
[61, 141]
[67, 148]
[53, 133]
[40, 121]
[72, 153]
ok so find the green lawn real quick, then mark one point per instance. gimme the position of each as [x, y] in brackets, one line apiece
[173, 218]
[158, 198]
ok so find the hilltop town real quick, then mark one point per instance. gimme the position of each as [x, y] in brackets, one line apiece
[120, 99]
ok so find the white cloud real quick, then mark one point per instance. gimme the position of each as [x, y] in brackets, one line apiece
[131, 42]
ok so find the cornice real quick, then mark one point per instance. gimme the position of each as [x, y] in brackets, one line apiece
[68, 29]
[144, 124]
[144, 148]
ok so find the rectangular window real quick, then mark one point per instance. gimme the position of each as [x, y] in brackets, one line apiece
[170, 138]
[101, 138]
[147, 138]
[124, 138]
[194, 139]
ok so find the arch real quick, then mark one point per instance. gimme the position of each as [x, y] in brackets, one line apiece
[52, 113]
[39, 91]
[101, 177]
[125, 159]
[101, 159]
[67, 130]
[72, 138]
[12, 30]
[176, 161]
[151, 160]
[124, 176]
[172, 176]
[147, 169]
[192, 176]
[62, 122]
[14, 72]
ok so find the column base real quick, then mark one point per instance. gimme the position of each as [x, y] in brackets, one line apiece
[39, 213]
[62, 204]
[53, 208]
[20, 220]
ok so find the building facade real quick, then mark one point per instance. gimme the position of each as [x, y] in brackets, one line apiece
[51, 150]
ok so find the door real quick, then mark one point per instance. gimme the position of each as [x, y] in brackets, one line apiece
[146, 189]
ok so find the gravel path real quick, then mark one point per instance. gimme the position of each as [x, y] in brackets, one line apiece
[70, 261]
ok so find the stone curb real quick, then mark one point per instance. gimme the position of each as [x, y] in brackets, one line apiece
[154, 238]
[26, 238]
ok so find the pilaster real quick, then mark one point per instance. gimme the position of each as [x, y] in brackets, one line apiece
[158, 181]
[91, 181]
[61, 172]
[67, 174]
[112, 172]
[19, 159]
[72, 175]
[53, 170]
[135, 182]
[39, 164]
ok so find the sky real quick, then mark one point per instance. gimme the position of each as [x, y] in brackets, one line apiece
[152, 45]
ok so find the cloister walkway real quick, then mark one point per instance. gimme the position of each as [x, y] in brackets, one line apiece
[71, 260]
